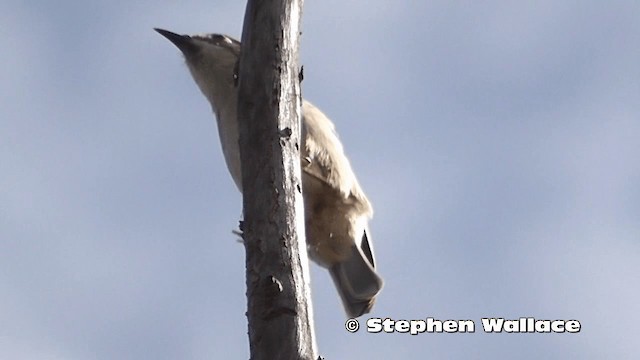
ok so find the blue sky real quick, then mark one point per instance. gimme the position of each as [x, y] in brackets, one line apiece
[498, 142]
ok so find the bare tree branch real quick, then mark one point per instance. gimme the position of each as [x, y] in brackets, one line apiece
[269, 106]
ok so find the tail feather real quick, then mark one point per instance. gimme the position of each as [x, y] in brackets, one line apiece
[357, 283]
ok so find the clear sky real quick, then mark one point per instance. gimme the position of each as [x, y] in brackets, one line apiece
[499, 143]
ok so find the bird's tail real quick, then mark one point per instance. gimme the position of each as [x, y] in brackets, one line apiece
[357, 282]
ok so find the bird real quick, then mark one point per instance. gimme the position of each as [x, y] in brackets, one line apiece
[336, 209]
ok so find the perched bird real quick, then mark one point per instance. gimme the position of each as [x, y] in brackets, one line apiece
[336, 209]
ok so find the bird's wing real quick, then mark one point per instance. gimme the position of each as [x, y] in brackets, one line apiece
[323, 156]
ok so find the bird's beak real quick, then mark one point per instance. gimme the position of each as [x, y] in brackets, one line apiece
[183, 42]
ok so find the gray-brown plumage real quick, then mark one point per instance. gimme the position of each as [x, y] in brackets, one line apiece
[336, 209]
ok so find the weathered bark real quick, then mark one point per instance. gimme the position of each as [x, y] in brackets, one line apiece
[269, 107]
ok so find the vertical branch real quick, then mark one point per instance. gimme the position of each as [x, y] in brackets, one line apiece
[269, 107]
